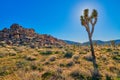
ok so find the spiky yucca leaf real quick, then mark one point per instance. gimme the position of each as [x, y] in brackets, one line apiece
[94, 14]
[86, 14]
[82, 20]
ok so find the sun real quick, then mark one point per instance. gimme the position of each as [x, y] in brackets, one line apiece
[79, 8]
[87, 5]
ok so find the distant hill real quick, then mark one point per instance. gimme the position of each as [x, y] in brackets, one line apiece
[18, 35]
[71, 42]
[99, 42]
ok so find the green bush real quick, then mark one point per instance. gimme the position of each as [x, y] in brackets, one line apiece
[68, 54]
[70, 63]
[21, 64]
[3, 44]
[53, 58]
[108, 50]
[30, 58]
[88, 58]
[47, 62]
[3, 54]
[116, 58]
[36, 66]
[47, 75]
[4, 71]
[62, 65]
[77, 75]
[83, 52]
[59, 52]
[76, 57]
[33, 67]
[12, 53]
[46, 52]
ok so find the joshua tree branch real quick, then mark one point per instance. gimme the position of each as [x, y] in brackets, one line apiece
[93, 26]
[92, 30]
[95, 21]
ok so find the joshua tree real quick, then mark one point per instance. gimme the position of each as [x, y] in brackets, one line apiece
[95, 44]
[89, 23]
[112, 42]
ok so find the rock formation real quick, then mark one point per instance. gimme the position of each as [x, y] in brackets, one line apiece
[17, 35]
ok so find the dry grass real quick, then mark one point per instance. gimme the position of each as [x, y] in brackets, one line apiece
[69, 63]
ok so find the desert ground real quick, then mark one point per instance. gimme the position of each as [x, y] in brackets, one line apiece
[63, 63]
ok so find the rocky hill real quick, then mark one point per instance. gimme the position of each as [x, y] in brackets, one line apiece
[18, 35]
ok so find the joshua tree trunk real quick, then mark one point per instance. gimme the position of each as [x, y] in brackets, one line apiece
[95, 73]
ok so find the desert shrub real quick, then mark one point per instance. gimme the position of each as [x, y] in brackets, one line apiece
[114, 69]
[87, 49]
[83, 52]
[3, 54]
[77, 75]
[47, 75]
[116, 57]
[62, 64]
[32, 46]
[59, 52]
[52, 58]
[5, 70]
[76, 57]
[47, 62]
[103, 49]
[67, 63]
[19, 49]
[109, 76]
[108, 50]
[88, 57]
[48, 52]
[116, 53]
[118, 78]
[34, 67]
[70, 63]
[23, 75]
[104, 57]
[77, 62]
[40, 68]
[60, 47]
[49, 47]
[35, 54]
[12, 53]
[21, 64]
[59, 70]
[30, 58]
[68, 54]
[3, 44]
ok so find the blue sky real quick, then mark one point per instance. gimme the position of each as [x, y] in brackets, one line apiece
[60, 18]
